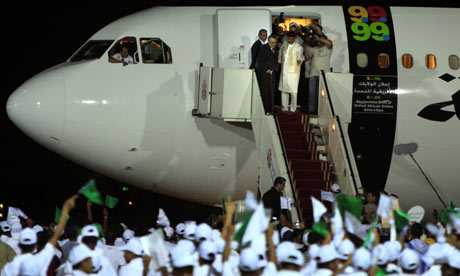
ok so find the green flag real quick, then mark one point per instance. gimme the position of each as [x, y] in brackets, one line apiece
[239, 233]
[90, 191]
[57, 215]
[110, 201]
[444, 218]
[380, 272]
[401, 220]
[350, 204]
[320, 228]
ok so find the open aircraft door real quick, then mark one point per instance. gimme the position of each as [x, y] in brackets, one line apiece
[237, 30]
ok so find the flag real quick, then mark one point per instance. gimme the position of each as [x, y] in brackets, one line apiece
[327, 196]
[337, 227]
[443, 217]
[110, 201]
[385, 206]
[14, 214]
[241, 228]
[370, 238]
[320, 228]
[349, 204]
[162, 219]
[251, 202]
[257, 225]
[401, 220]
[90, 191]
[354, 226]
[154, 246]
[57, 215]
[318, 209]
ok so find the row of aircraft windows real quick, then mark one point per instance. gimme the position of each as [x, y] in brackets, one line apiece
[383, 61]
[153, 50]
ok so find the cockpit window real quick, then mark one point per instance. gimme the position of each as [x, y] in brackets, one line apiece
[154, 50]
[91, 50]
[124, 51]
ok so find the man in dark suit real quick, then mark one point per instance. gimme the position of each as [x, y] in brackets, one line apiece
[256, 46]
[266, 69]
[272, 198]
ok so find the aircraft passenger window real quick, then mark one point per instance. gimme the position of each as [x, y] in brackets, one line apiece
[430, 61]
[384, 61]
[91, 50]
[453, 62]
[154, 50]
[407, 61]
[361, 60]
[124, 51]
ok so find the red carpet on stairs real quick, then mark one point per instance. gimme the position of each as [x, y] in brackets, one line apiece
[309, 175]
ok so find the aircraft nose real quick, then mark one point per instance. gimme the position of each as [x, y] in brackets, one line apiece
[37, 107]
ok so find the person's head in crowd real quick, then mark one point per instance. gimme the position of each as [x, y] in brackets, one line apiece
[189, 231]
[182, 259]
[371, 197]
[409, 261]
[5, 229]
[110, 236]
[345, 250]
[133, 249]
[127, 235]
[279, 184]
[335, 188]
[416, 230]
[89, 236]
[380, 255]
[263, 35]
[272, 41]
[328, 257]
[362, 259]
[287, 234]
[27, 240]
[203, 232]
[180, 230]
[452, 267]
[249, 263]
[207, 252]
[80, 258]
[291, 37]
[288, 257]
[314, 238]
[293, 27]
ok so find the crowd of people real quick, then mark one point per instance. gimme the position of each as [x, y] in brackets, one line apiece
[257, 241]
[279, 60]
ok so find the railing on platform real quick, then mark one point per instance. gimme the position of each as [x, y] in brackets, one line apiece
[337, 141]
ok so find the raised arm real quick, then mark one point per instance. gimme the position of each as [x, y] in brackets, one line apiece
[69, 204]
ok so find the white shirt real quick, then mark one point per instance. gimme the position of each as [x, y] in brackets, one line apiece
[43, 259]
[134, 268]
[128, 59]
[114, 255]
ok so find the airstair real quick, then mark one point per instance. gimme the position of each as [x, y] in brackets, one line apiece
[309, 152]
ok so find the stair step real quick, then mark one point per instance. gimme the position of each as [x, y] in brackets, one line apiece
[301, 154]
[297, 135]
[309, 174]
[302, 185]
[292, 117]
[308, 164]
[292, 127]
[295, 145]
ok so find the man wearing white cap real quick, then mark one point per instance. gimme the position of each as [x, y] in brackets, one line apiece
[80, 258]
[189, 231]
[250, 263]
[182, 261]
[362, 261]
[207, 252]
[203, 232]
[409, 262]
[28, 243]
[327, 260]
[345, 250]
[6, 237]
[134, 258]
[127, 235]
[289, 258]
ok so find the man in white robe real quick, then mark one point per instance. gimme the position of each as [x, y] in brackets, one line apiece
[290, 57]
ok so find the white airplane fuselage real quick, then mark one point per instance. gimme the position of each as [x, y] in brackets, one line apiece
[134, 123]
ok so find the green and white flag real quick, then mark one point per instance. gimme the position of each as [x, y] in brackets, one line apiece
[318, 209]
[320, 228]
[337, 227]
[350, 204]
[401, 220]
[257, 225]
[57, 215]
[110, 201]
[385, 205]
[354, 226]
[90, 192]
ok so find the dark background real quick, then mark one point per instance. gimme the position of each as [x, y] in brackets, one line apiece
[37, 36]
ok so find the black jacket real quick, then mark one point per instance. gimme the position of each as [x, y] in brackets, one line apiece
[272, 200]
[266, 59]
[254, 52]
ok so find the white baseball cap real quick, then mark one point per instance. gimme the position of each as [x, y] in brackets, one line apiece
[207, 250]
[380, 254]
[134, 245]
[327, 253]
[220, 243]
[90, 231]
[37, 228]
[79, 253]
[284, 230]
[393, 249]
[335, 188]
[5, 227]
[409, 259]
[28, 236]
[181, 258]
[454, 259]
[180, 228]
[362, 259]
[29, 267]
[249, 260]
[127, 235]
[189, 232]
[186, 245]
[169, 231]
[313, 251]
[203, 232]
[216, 234]
[286, 252]
[345, 248]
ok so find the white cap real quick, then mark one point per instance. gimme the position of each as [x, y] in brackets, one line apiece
[29, 267]
[37, 228]
[327, 253]
[335, 188]
[207, 250]
[189, 232]
[5, 227]
[454, 259]
[393, 249]
[79, 253]
[216, 234]
[90, 231]
[169, 231]
[287, 253]
[249, 260]
[345, 248]
[203, 232]
[186, 245]
[127, 235]
[379, 254]
[181, 258]
[134, 245]
[409, 259]
[28, 236]
[220, 243]
[313, 251]
[284, 230]
[362, 259]
[180, 228]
